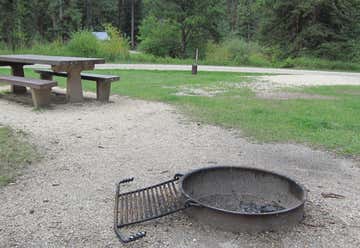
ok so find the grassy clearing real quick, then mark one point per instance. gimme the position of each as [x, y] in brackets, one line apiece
[332, 124]
[326, 123]
[15, 153]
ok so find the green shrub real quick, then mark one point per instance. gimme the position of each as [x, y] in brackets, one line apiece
[159, 38]
[317, 63]
[236, 52]
[117, 47]
[149, 58]
[354, 55]
[55, 48]
[239, 51]
[4, 49]
[2, 45]
[259, 59]
[84, 44]
[217, 54]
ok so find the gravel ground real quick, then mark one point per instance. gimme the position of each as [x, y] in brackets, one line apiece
[66, 200]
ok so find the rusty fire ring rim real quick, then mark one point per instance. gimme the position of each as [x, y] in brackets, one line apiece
[279, 212]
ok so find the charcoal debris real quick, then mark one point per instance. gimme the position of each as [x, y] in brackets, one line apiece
[253, 208]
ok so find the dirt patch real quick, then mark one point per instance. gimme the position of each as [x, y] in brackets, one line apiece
[282, 95]
[204, 91]
[310, 80]
[67, 199]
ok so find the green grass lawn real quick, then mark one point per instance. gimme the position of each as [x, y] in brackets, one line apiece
[15, 153]
[332, 124]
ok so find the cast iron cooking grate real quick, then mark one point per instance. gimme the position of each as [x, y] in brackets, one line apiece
[146, 204]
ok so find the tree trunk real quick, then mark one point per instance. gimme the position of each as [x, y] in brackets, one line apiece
[183, 42]
[133, 24]
[120, 10]
[88, 13]
[232, 13]
[235, 15]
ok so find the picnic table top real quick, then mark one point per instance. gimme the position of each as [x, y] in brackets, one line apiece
[48, 60]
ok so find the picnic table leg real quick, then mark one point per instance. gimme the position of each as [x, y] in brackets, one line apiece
[73, 87]
[18, 71]
[45, 76]
[41, 97]
[103, 89]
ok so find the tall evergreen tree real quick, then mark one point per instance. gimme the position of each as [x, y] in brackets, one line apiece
[248, 19]
[301, 26]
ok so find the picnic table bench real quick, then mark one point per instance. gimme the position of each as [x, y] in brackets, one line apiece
[73, 66]
[40, 89]
[103, 82]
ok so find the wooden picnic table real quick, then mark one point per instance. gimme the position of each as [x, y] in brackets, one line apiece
[72, 65]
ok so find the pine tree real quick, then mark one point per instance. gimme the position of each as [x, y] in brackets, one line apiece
[304, 26]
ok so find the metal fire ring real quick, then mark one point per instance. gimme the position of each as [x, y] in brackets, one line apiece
[237, 199]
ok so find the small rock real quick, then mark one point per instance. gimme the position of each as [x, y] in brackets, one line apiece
[56, 184]
[45, 201]
[32, 211]
[101, 147]
[332, 195]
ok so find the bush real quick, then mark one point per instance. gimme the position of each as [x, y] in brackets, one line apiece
[4, 49]
[159, 38]
[117, 47]
[149, 58]
[217, 54]
[84, 44]
[354, 54]
[316, 63]
[55, 48]
[236, 52]
[239, 51]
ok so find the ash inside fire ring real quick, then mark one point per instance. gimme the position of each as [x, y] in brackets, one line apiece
[248, 204]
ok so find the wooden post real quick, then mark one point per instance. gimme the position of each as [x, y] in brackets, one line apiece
[18, 71]
[195, 66]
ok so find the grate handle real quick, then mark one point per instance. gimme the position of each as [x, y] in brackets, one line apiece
[122, 237]
[131, 238]
[117, 227]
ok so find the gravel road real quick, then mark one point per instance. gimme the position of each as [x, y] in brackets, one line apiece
[66, 199]
[282, 77]
[288, 77]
